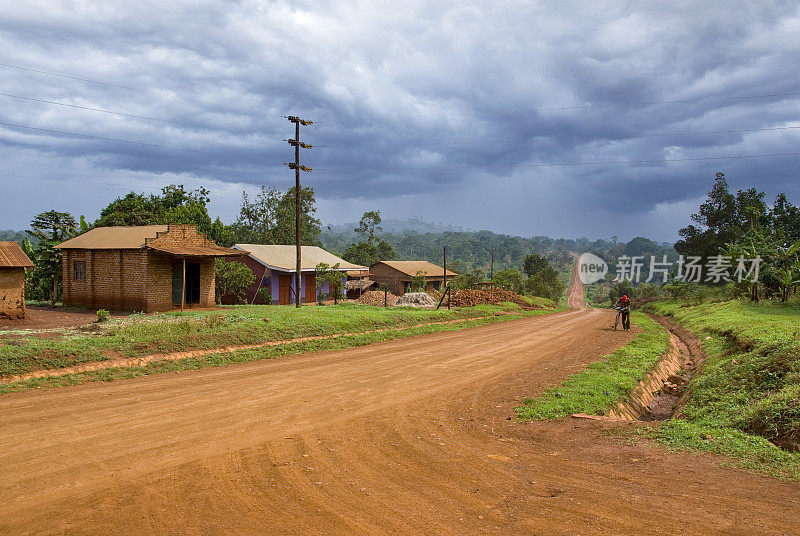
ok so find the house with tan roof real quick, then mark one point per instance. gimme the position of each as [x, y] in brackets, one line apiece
[145, 268]
[13, 263]
[275, 268]
[398, 275]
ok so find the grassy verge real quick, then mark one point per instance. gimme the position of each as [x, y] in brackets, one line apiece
[602, 384]
[745, 399]
[139, 335]
[243, 356]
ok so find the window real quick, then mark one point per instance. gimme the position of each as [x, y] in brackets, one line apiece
[79, 269]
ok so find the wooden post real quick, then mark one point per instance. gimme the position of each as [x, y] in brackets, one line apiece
[297, 206]
[444, 275]
[183, 284]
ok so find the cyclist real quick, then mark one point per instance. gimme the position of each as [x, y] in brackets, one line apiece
[623, 305]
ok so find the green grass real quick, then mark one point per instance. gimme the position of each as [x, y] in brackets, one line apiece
[243, 356]
[544, 303]
[746, 396]
[604, 383]
[139, 335]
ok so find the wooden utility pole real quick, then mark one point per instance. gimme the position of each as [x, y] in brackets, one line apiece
[297, 144]
[491, 272]
[444, 275]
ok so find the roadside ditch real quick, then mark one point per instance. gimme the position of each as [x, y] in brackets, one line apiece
[659, 395]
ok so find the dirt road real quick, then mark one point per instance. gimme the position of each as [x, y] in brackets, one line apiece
[406, 437]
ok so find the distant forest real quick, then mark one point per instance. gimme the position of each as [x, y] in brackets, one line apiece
[470, 250]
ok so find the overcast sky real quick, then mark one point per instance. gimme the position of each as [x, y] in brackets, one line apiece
[465, 114]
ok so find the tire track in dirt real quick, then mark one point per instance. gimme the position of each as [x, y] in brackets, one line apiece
[405, 437]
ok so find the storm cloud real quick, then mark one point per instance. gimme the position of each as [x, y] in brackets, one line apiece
[559, 118]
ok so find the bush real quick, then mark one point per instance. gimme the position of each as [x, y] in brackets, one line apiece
[103, 315]
[266, 296]
[232, 277]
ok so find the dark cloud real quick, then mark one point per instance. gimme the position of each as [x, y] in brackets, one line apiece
[400, 94]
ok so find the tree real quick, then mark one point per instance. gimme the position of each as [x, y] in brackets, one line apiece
[619, 289]
[418, 281]
[174, 205]
[50, 228]
[258, 218]
[509, 279]
[385, 252]
[545, 284]
[362, 253]
[310, 227]
[232, 278]
[722, 219]
[786, 219]
[535, 263]
[370, 222]
[331, 276]
[466, 279]
[223, 235]
[366, 254]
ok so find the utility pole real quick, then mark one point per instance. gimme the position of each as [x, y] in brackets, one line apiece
[297, 144]
[444, 275]
[491, 263]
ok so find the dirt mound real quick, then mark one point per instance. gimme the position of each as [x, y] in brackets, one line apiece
[376, 298]
[416, 299]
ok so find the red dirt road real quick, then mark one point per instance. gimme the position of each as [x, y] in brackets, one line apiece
[405, 437]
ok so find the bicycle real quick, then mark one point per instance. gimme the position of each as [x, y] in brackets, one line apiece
[619, 315]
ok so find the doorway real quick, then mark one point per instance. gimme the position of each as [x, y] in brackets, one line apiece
[311, 288]
[284, 289]
[192, 293]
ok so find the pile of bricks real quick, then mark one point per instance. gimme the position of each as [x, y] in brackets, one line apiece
[376, 298]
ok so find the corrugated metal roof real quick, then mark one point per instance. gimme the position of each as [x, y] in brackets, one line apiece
[282, 257]
[12, 256]
[197, 251]
[412, 267]
[114, 237]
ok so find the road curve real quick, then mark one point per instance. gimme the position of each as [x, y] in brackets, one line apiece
[405, 437]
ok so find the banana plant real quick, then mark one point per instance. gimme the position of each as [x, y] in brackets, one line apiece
[788, 269]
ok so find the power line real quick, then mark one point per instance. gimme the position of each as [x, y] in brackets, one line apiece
[123, 114]
[678, 101]
[79, 181]
[63, 132]
[554, 138]
[130, 88]
[70, 181]
[558, 164]
[141, 175]
[140, 90]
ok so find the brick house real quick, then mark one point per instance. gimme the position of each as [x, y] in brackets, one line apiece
[275, 267]
[13, 263]
[146, 268]
[398, 275]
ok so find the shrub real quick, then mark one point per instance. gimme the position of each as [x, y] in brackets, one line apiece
[266, 296]
[103, 315]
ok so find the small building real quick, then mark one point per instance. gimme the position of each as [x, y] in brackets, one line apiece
[275, 267]
[398, 275]
[146, 268]
[13, 263]
[358, 282]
